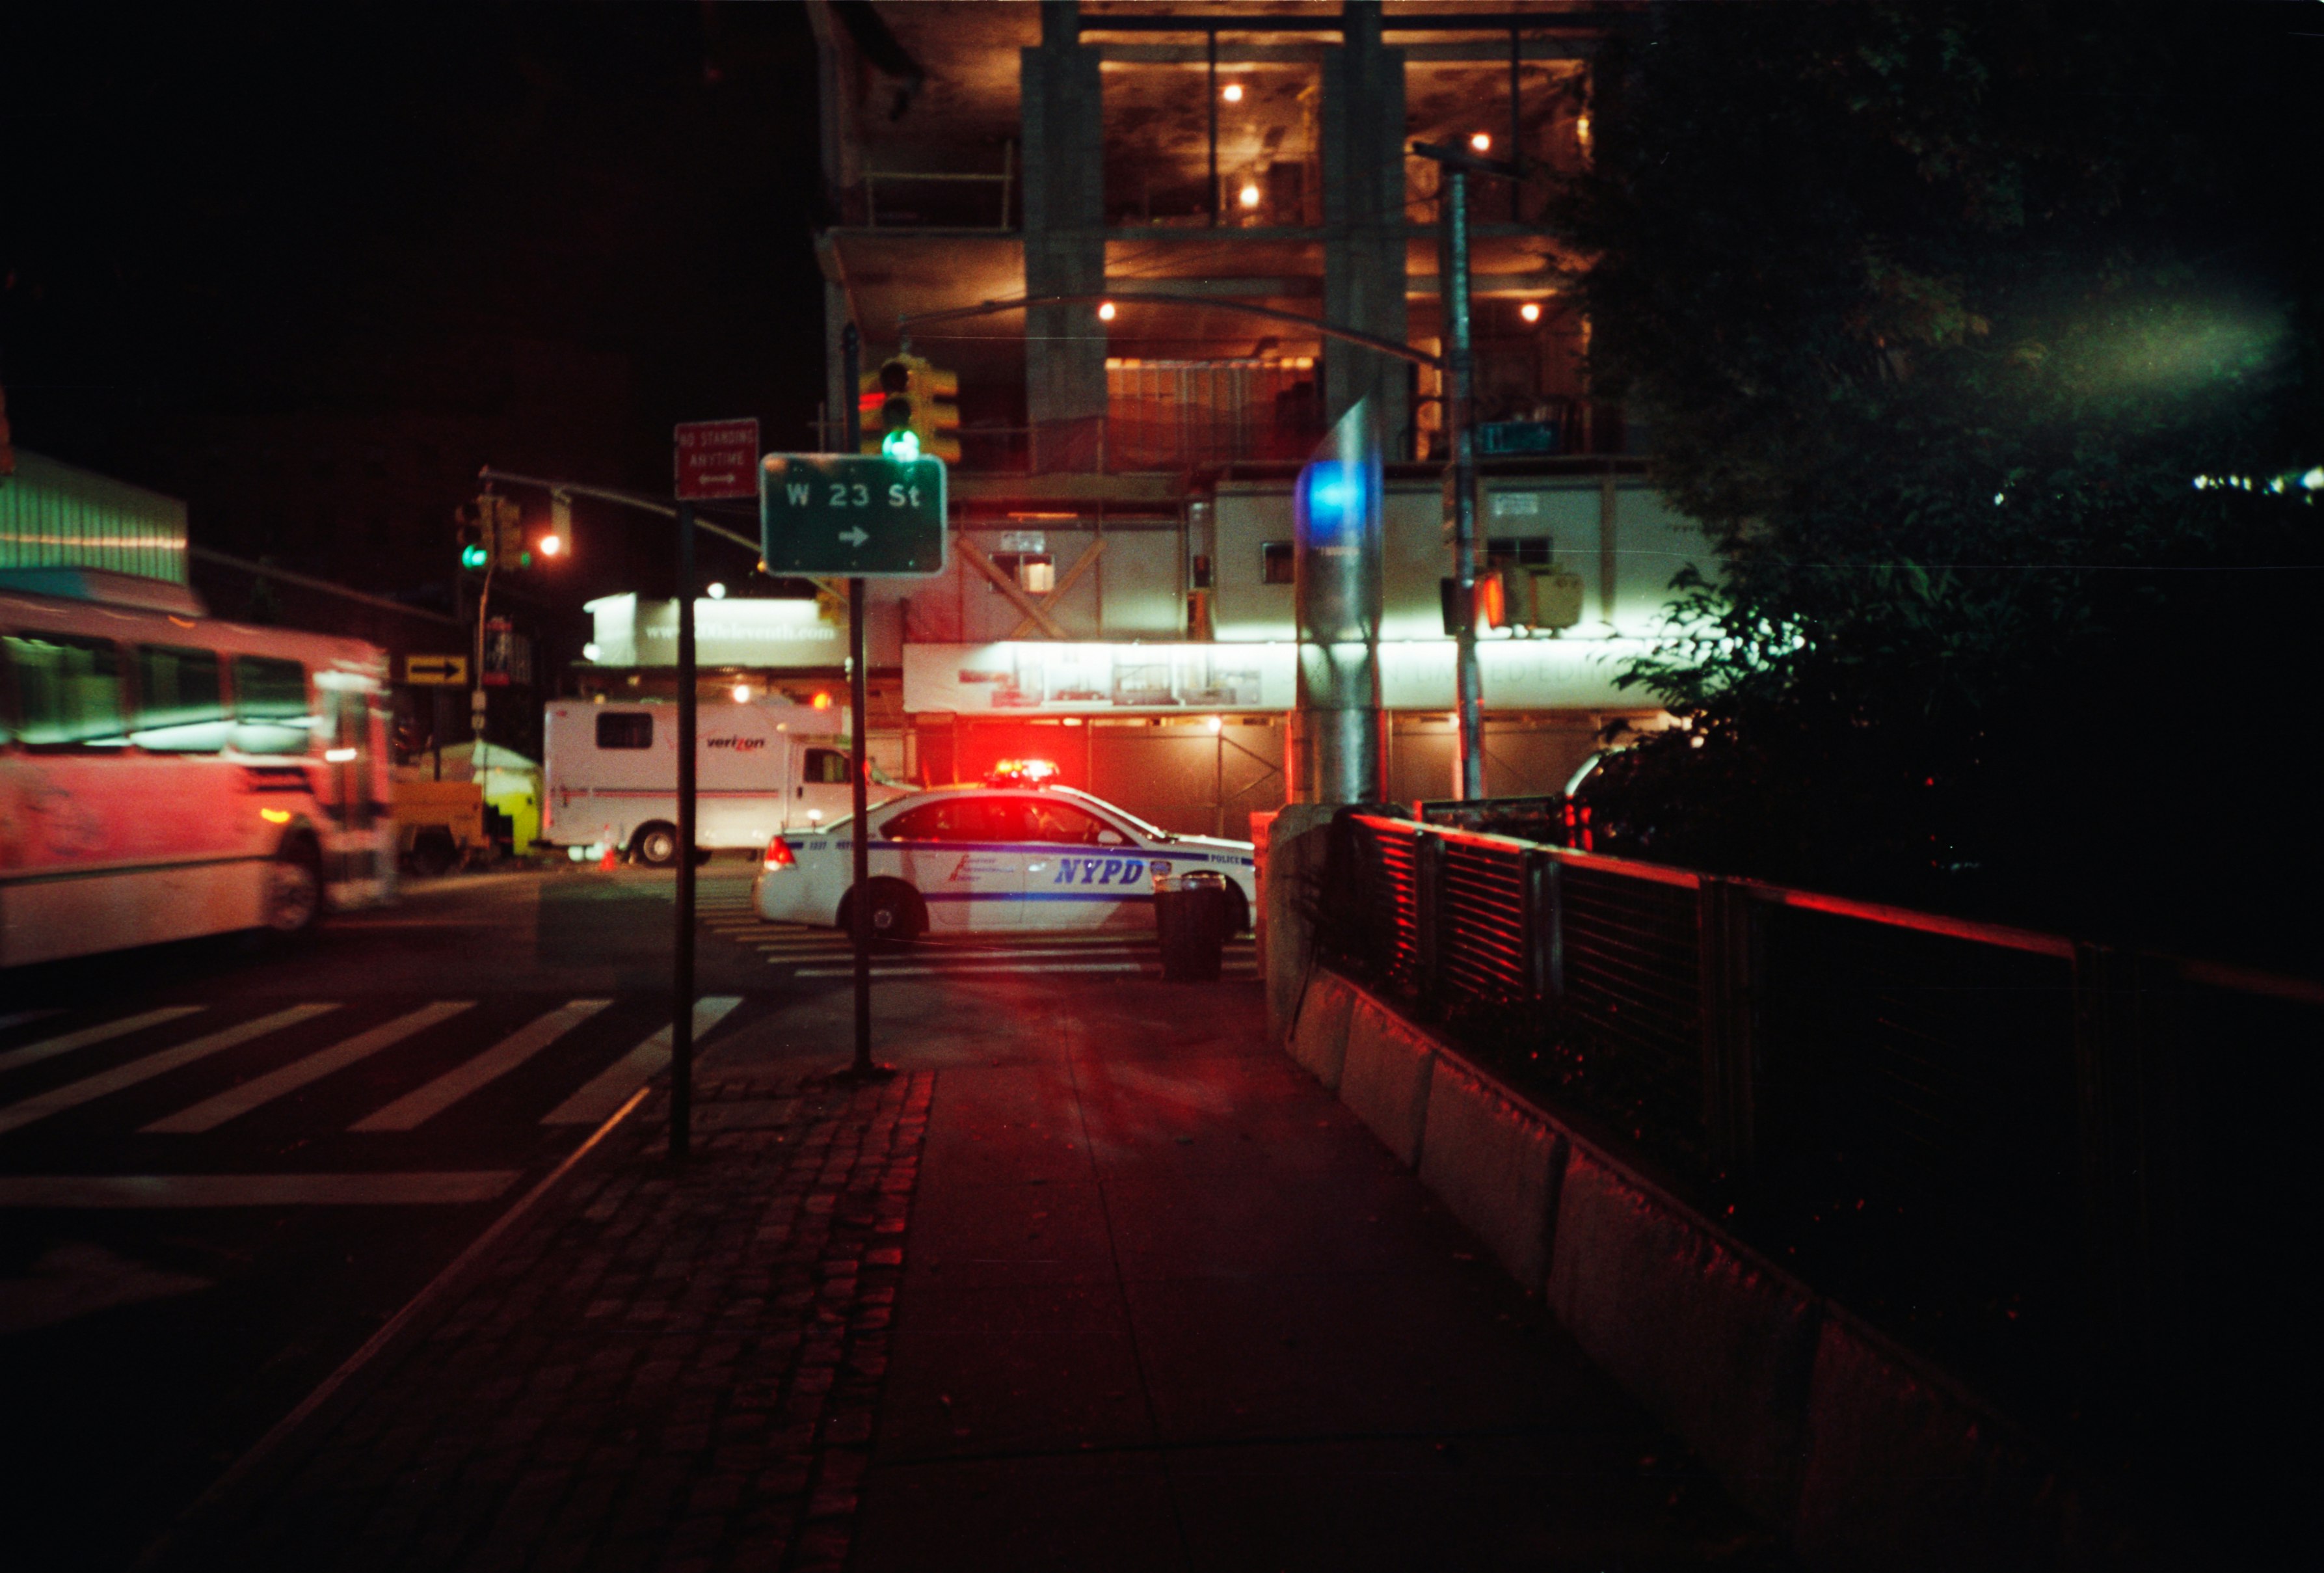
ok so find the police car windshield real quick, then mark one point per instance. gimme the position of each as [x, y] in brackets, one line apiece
[1151, 832]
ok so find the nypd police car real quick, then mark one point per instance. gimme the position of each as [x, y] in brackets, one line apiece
[1011, 856]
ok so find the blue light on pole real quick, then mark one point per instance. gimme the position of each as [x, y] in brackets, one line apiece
[1333, 495]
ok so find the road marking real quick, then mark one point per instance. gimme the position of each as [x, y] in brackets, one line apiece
[605, 1092]
[426, 1102]
[50, 1047]
[880, 971]
[74, 1094]
[236, 1101]
[251, 1190]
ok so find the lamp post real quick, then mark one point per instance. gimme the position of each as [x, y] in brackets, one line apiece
[1460, 365]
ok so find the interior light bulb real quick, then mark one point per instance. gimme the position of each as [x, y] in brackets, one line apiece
[1480, 142]
[1231, 92]
[1530, 311]
[1105, 311]
[1249, 194]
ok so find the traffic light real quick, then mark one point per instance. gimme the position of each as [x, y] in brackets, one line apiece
[473, 553]
[907, 395]
[509, 549]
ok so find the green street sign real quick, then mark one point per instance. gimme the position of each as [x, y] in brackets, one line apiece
[835, 515]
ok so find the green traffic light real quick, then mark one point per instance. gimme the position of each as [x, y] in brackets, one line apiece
[901, 444]
[472, 557]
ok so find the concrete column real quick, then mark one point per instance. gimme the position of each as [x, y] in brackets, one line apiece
[1064, 241]
[1363, 222]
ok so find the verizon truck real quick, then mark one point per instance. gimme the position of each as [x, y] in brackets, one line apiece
[610, 775]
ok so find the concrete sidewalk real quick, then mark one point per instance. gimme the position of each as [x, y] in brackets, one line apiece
[1157, 1301]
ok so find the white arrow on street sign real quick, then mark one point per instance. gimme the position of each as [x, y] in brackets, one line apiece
[855, 537]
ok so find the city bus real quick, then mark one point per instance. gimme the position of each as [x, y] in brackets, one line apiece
[164, 775]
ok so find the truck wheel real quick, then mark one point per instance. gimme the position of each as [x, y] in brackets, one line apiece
[656, 846]
[433, 853]
[294, 889]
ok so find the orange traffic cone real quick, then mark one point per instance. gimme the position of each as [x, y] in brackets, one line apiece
[610, 862]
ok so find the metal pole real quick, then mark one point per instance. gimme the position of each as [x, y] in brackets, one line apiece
[1517, 125]
[681, 1026]
[860, 910]
[1460, 366]
[1215, 127]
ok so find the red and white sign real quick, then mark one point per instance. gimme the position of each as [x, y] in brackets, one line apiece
[718, 458]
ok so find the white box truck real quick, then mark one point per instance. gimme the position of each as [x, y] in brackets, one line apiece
[610, 775]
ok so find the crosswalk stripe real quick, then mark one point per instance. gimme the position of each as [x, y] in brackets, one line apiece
[160, 1063]
[605, 1092]
[249, 1190]
[426, 1102]
[50, 1047]
[879, 970]
[236, 1101]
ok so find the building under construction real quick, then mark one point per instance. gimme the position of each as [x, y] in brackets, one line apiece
[1213, 207]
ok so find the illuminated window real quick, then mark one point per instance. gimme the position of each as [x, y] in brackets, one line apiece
[67, 690]
[1275, 562]
[272, 714]
[181, 701]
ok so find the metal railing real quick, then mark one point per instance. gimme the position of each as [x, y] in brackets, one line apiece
[2018, 1151]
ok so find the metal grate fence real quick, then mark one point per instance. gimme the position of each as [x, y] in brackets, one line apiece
[2015, 1150]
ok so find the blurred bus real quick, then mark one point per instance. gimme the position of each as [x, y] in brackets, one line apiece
[164, 775]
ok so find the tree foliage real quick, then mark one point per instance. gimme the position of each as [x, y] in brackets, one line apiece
[1936, 311]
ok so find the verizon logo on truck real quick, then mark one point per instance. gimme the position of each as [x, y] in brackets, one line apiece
[610, 775]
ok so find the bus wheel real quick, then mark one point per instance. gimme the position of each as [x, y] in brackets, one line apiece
[656, 846]
[294, 890]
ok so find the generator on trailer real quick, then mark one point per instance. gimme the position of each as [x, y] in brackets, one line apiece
[610, 775]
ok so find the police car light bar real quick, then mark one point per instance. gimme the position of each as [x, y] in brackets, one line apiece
[1020, 773]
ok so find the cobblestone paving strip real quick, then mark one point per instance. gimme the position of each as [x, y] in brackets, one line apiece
[673, 1368]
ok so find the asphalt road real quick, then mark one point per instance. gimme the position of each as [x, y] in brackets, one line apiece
[224, 1165]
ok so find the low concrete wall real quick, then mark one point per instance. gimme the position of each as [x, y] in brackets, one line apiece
[1866, 1455]
[1496, 1166]
[1319, 1035]
[1384, 1074]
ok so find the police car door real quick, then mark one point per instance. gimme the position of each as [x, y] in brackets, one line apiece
[955, 852]
[1088, 874]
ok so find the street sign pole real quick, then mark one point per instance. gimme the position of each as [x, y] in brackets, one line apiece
[681, 1025]
[860, 910]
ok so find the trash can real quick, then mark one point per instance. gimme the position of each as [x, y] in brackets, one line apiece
[1190, 918]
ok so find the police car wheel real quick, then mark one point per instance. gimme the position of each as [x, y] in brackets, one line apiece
[892, 913]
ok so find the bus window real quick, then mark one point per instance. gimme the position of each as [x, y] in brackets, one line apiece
[624, 729]
[180, 706]
[824, 767]
[67, 690]
[270, 712]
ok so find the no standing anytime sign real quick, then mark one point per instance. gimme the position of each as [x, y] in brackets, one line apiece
[718, 458]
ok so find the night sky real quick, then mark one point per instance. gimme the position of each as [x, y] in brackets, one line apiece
[308, 267]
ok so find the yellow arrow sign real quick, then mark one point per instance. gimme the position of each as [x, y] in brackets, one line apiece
[450, 670]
